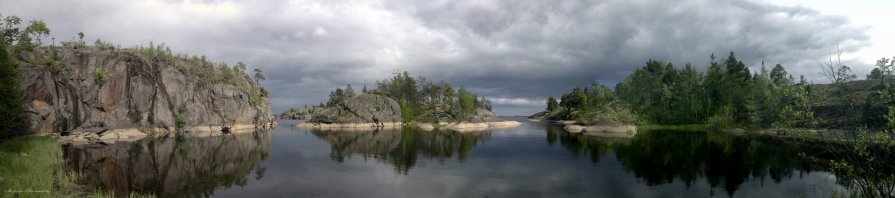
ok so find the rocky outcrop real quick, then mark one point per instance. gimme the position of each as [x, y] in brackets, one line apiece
[480, 121]
[105, 137]
[369, 111]
[363, 111]
[612, 120]
[480, 126]
[602, 129]
[106, 89]
[301, 113]
[546, 115]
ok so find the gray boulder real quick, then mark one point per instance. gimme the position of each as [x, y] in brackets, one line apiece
[365, 108]
[483, 115]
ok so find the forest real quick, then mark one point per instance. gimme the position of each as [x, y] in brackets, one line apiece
[728, 94]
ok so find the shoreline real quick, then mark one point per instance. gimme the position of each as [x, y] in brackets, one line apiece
[601, 130]
[111, 136]
[468, 126]
[459, 127]
[350, 126]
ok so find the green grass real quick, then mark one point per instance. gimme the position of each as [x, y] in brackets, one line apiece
[28, 165]
[32, 166]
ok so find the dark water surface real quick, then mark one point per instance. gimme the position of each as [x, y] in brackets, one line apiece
[532, 160]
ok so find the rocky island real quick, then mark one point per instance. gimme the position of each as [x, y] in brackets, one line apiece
[108, 93]
[593, 111]
[406, 101]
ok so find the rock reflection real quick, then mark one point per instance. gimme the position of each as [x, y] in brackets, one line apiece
[186, 166]
[723, 160]
[401, 147]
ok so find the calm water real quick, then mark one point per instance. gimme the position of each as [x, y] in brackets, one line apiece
[532, 160]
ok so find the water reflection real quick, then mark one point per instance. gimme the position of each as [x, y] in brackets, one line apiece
[190, 165]
[401, 147]
[723, 160]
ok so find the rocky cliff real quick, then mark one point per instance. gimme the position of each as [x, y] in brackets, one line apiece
[77, 88]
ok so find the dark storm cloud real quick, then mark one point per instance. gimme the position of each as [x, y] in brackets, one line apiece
[515, 52]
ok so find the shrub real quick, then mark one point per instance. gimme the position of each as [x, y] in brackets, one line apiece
[264, 92]
[100, 77]
[406, 111]
[180, 119]
[724, 118]
[103, 45]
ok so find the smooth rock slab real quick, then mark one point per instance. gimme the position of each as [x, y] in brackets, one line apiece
[574, 128]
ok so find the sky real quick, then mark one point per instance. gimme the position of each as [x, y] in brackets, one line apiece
[514, 52]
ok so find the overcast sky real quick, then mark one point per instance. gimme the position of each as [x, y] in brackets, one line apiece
[515, 52]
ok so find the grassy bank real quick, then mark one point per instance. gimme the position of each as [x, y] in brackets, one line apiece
[29, 165]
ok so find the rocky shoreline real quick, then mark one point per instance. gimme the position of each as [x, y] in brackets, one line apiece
[459, 127]
[469, 126]
[98, 135]
[355, 126]
[602, 129]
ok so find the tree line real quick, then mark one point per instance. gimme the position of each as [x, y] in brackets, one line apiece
[726, 94]
[420, 99]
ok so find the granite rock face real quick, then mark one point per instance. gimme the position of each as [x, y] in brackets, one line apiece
[365, 108]
[106, 89]
[483, 115]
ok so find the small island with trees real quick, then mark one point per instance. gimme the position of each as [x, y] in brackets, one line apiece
[405, 101]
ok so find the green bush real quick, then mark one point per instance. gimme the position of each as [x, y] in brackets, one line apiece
[180, 119]
[265, 93]
[724, 118]
[407, 111]
[100, 77]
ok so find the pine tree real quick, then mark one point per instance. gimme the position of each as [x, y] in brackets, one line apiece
[552, 104]
[349, 92]
[11, 94]
[779, 75]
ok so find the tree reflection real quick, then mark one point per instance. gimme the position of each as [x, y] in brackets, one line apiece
[186, 166]
[660, 157]
[401, 147]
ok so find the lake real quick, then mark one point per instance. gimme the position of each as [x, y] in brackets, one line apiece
[532, 160]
